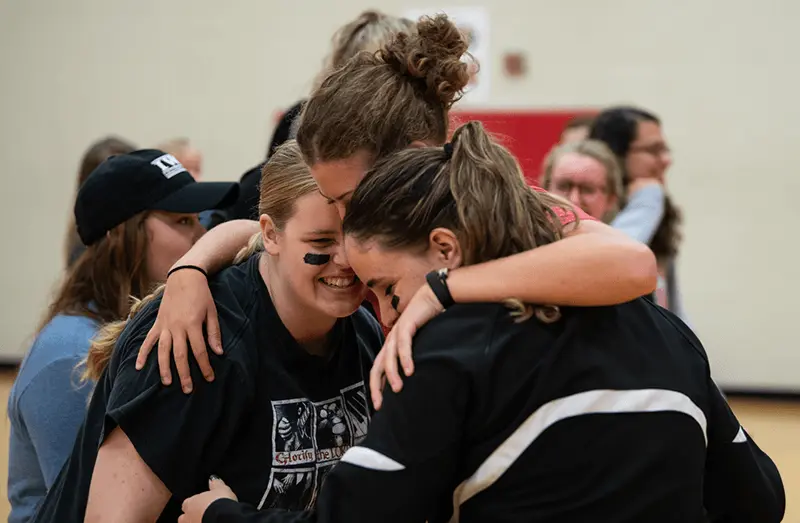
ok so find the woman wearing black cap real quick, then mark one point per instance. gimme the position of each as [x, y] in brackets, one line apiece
[287, 400]
[137, 214]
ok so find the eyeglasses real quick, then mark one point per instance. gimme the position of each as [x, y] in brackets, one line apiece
[565, 187]
[656, 149]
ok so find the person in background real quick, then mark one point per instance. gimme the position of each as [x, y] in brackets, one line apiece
[649, 214]
[190, 156]
[367, 32]
[587, 174]
[137, 214]
[97, 153]
[576, 129]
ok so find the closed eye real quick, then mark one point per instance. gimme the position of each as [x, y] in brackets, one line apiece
[389, 289]
[322, 242]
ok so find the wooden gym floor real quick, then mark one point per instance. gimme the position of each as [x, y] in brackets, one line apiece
[774, 424]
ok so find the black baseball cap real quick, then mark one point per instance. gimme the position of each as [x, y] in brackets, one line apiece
[146, 180]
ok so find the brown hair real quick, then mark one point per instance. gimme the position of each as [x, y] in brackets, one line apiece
[104, 279]
[97, 153]
[596, 150]
[382, 102]
[479, 193]
[284, 179]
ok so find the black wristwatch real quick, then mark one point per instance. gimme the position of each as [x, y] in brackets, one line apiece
[437, 281]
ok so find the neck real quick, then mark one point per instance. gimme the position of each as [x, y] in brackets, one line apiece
[308, 327]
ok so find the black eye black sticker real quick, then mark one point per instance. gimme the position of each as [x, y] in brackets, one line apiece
[316, 259]
[395, 302]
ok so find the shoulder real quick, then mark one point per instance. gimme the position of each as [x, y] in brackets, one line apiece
[62, 338]
[463, 331]
[67, 330]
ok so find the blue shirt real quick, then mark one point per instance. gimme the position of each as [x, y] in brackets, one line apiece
[46, 408]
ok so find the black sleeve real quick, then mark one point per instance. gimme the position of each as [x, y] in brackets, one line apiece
[406, 464]
[742, 484]
[181, 437]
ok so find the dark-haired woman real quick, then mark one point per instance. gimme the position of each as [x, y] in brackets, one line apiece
[377, 104]
[518, 412]
[649, 215]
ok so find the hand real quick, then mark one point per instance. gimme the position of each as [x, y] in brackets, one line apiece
[422, 307]
[187, 304]
[194, 507]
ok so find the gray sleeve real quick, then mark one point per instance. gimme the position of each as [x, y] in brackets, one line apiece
[641, 217]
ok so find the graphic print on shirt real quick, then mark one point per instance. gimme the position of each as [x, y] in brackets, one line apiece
[355, 403]
[308, 438]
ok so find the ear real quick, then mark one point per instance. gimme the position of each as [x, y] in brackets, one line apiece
[444, 248]
[269, 234]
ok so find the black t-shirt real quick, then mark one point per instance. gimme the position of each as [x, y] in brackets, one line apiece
[608, 415]
[272, 423]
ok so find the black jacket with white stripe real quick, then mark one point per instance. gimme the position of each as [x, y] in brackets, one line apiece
[607, 415]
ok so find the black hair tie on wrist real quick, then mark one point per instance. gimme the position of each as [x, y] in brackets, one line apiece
[437, 281]
[193, 267]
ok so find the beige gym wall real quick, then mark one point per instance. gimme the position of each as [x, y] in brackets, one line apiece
[723, 75]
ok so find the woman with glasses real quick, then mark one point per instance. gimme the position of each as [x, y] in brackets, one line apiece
[637, 139]
[586, 173]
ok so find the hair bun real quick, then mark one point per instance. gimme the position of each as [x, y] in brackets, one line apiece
[432, 55]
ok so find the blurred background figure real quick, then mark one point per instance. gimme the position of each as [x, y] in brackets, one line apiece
[649, 214]
[576, 129]
[586, 173]
[186, 153]
[94, 156]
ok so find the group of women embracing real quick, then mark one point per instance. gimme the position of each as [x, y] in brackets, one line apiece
[542, 386]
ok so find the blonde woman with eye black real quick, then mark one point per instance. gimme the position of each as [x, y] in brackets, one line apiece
[288, 399]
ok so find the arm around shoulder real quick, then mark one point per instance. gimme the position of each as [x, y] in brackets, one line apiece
[594, 265]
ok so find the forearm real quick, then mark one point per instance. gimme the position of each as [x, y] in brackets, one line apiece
[595, 265]
[219, 246]
[642, 215]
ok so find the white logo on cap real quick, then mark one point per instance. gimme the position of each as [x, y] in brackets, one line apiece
[169, 165]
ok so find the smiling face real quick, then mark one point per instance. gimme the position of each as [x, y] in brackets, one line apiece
[394, 275]
[309, 260]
